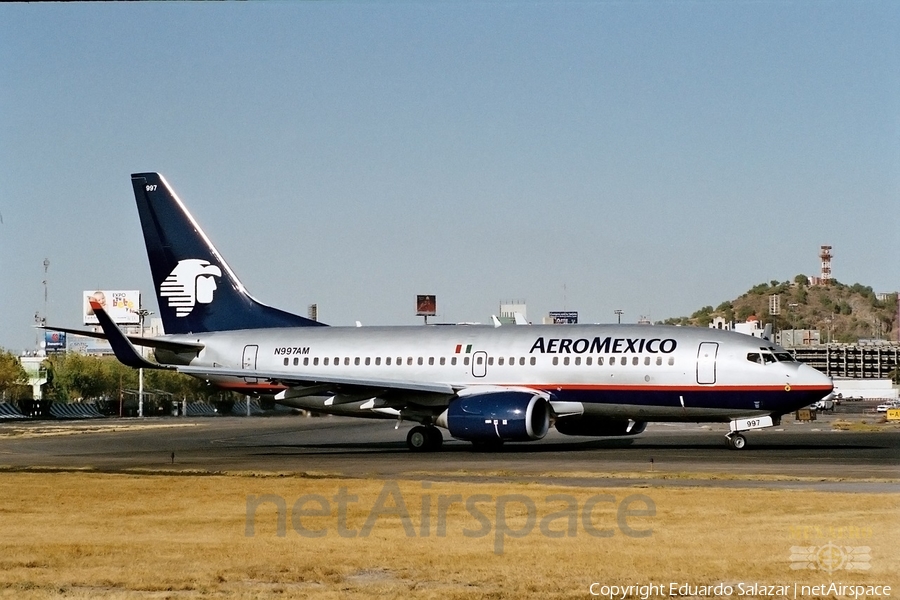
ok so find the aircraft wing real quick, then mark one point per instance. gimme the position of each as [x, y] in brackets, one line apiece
[322, 383]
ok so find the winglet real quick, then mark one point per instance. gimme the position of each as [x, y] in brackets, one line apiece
[124, 350]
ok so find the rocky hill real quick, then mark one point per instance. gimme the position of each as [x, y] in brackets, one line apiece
[843, 313]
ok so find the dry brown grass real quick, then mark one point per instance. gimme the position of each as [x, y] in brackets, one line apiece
[29, 430]
[88, 535]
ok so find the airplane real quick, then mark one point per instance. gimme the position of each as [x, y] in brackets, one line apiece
[483, 384]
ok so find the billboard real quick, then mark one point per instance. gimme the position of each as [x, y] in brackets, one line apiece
[54, 341]
[426, 305]
[121, 306]
[87, 345]
[567, 317]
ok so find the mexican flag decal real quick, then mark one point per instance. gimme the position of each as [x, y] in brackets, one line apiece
[467, 349]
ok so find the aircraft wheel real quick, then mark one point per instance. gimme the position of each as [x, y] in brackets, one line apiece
[418, 439]
[737, 442]
[435, 438]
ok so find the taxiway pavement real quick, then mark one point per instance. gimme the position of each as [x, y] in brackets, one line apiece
[795, 454]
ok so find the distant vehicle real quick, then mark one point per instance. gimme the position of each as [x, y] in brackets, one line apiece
[825, 405]
[887, 406]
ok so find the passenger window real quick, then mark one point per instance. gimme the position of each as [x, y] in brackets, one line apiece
[409, 361]
[387, 361]
[368, 361]
[430, 361]
[490, 360]
[452, 361]
[297, 361]
[286, 362]
[443, 361]
[599, 361]
[316, 361]
[356, 361]
[671, 360]
[466, 361]
[346, 361]
[635, 360]
[500, 362]
[421, 362]
[588, 361]
[555, 360]
[337, 360]
[479, 360]
[325, 361]
[612, 360]
[533, 361]
[646, 360]
[377, 361]
[566, 361]
[659, 360]
[577, 361]
[306, 361]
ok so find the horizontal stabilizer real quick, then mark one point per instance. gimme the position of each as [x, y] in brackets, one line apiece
[163, 344]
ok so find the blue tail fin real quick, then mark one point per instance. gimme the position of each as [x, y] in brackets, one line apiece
[196, 289]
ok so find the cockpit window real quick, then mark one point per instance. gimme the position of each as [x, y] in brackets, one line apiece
[768, 358]
[754, 357]
[784, 357]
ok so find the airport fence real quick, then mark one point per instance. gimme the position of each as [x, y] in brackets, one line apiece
[10, 411]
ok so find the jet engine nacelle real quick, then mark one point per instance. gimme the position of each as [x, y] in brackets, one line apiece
[599, 426]
[506, 414]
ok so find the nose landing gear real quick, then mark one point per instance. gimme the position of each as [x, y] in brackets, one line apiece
[736, 441]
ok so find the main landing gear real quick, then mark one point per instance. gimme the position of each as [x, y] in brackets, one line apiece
[427, 438]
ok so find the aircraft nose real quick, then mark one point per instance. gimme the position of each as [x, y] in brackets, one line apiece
[816, 379]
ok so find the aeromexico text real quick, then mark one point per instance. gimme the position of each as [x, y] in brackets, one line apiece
[605, 345]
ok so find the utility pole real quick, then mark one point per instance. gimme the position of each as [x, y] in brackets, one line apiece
[619, 312]
[142, 314]
[46, 282]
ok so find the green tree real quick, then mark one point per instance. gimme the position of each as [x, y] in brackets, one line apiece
[12, 375]
[744, 313]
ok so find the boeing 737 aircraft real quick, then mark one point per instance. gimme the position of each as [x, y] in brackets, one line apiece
[483, 384]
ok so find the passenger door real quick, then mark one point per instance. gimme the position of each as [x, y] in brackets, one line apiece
[249, 361]
[706, 363]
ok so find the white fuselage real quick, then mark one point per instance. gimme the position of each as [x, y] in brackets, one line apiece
[635, 372]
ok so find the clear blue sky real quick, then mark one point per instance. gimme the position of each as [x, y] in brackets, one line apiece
[650, 157]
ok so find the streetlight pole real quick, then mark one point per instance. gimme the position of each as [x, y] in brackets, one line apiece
[619, 313]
